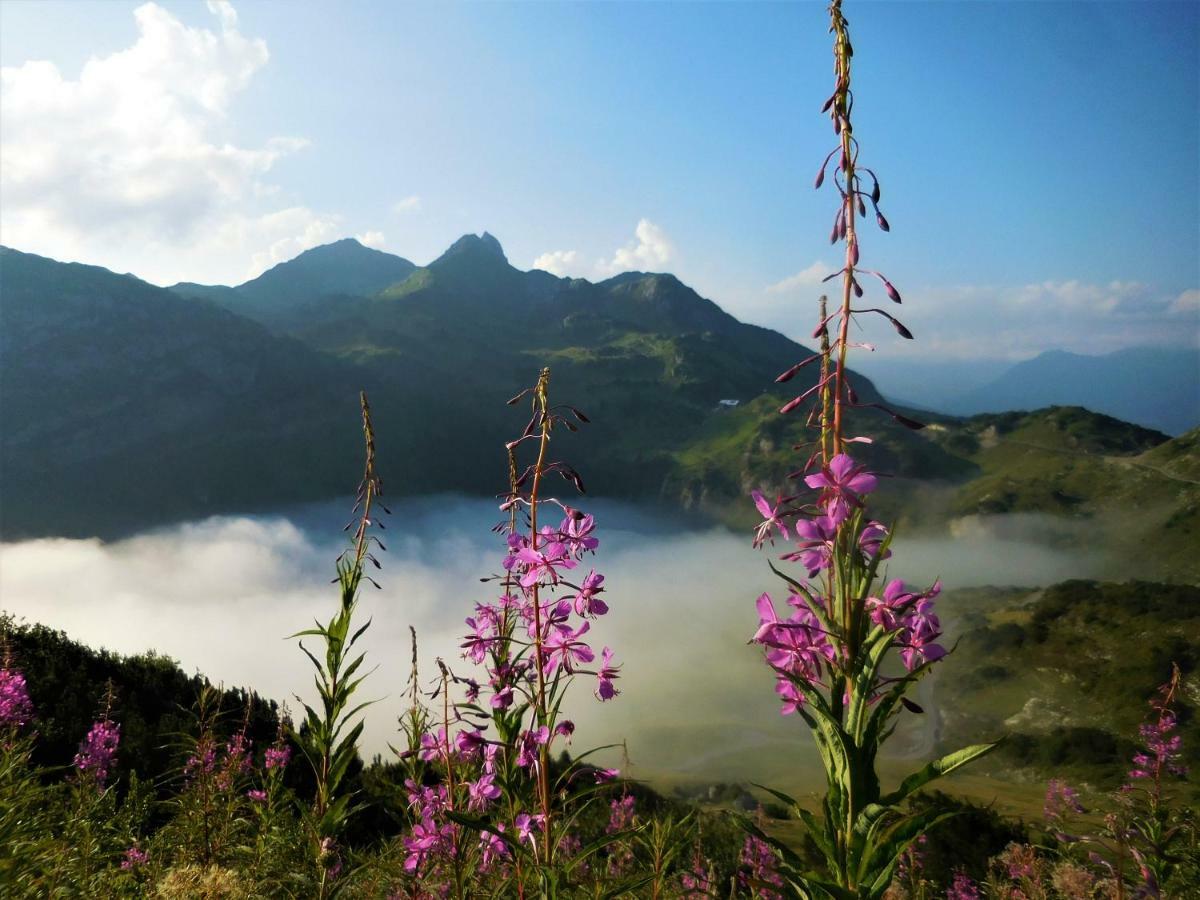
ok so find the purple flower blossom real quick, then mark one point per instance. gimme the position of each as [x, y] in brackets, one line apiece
[1061, 798]
[277, 757]
[576, 533]
[771, 519]
[482, 792]
[564, 648]
[257, 796]
[797, 646]
[527, 825]
[16, 709]
[587, 603]
[606, 676]
[424, 840]
[603, 776]
[134, 859]
[98, 751]
[842, 483]
[529, 742]
[962, 888]
[541, 566]
[814, 538]
[492, 849]
[759, 864]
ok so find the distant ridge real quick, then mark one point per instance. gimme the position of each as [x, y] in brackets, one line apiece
[1151, 386]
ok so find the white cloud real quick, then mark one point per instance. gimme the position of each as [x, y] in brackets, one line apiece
[1187, 303]
[129, 164]
[809, 277]
[651, 251]
[371, 238]
[558, 262]
[410, 204]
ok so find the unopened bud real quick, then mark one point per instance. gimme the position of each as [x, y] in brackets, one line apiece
[820, 180]
[883, 223]
[890, 290]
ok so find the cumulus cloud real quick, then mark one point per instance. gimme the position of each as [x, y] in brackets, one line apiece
[371, 238]
[1187, 303]
[411, 204]
[558, 262]
[650, 251]
[808, 277]
[128, 165]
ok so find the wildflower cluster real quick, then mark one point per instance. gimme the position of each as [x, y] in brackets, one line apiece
[16, 709]
[1144, 842]
[98, 752]
[829, 647]
[484, 764]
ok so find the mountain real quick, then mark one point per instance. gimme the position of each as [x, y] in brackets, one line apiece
[125, 404]
[1155, 387]
[287, 291]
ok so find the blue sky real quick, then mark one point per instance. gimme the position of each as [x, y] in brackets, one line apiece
[1040, 161]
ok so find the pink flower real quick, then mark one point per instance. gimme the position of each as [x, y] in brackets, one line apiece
[483, 792]
[257, 796]
[771, 518]
[606, 676]
[841, 483]
[16, 709]
[587, 603]
[134, 859]
[98, 751]
[564, 648]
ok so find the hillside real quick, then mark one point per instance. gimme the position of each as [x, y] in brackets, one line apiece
[1066, 673]
[125, 404]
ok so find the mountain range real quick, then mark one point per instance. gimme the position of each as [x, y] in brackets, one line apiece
[126, 404]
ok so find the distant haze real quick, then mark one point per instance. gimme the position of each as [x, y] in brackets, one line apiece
[221, 595]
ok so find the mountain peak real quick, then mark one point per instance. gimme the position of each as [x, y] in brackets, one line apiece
[474, 246]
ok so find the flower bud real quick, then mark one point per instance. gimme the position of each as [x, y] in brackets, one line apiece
[875, 191]
[883, 223]
[890, 290]
[854, 252]
[820, 180]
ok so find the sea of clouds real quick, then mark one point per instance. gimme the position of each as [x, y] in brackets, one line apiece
[221, 596]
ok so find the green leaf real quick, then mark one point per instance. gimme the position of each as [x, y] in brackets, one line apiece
[937, 769]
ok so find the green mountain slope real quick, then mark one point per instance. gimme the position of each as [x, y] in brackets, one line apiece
[1067, 671]
[125, 404]
[294, 290]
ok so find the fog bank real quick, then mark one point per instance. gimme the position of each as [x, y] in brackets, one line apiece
[221, 595]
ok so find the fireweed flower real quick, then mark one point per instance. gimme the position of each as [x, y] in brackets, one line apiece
[815, 540]
[256, 795]
[842, 482]
[16, 709]
[277, 757]
[771, 519]
[587, 603]
[134, 859]
[830, 652]
[98, 751]
[605, 690]
[962, 888]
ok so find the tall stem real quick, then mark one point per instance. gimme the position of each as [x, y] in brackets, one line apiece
[543, 407]
[842, 105]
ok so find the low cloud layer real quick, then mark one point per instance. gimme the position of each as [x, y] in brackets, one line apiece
[221, 595]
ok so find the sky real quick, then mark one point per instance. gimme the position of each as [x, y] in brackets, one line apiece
[1040, 161]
